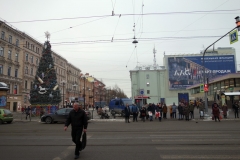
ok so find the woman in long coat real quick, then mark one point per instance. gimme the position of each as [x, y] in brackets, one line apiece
[164, 111]
[215, 112]
[225, 109]
[143, 113]
[186, 112]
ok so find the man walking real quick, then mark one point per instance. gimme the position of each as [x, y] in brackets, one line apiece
[28, 111]
[78, 120]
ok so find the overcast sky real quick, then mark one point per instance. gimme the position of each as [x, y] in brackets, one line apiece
[88, 27]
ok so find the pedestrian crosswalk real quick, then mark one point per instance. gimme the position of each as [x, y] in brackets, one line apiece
[208, 157]
[197, 146]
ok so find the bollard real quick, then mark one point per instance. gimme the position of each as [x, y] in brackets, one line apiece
[92, 114]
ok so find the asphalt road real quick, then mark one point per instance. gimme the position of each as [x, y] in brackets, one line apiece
[117, 140]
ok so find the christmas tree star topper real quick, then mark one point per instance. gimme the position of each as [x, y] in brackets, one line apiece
[47, 35]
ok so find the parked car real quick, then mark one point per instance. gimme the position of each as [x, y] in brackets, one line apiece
[59, 116]
[6, 116]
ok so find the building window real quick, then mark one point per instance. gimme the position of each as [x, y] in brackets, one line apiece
[25, 85]
[31, 71]
[15, 89]
[10, 39]
[9, 86]
[26, 57]
[36, 61]
[147, 76]
[148, 84]
[17, 42]
[31, 59]
[9, 54]
[31, 87]
[9, 71]
[1, 51]
[1, 69]
[26, 70]
[3, 35]
[53, 59]
[16, 72]
[148, 91]
[16, 57]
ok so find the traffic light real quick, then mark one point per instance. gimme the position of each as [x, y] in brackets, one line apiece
[205, 87]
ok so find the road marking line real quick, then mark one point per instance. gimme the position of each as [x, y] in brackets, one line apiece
[224, 157]
[195, 140]
[195, 135]
[65, 153]
[200, 148]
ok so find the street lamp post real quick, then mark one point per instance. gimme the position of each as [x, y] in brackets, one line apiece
[63, 83]
[84, 78]
[74, 89]
[204, 73]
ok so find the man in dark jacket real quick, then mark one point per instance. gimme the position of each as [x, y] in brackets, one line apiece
[78, 120]
[236, 108]
[127, 113]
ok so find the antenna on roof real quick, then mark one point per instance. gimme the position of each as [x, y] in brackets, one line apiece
[154, 59]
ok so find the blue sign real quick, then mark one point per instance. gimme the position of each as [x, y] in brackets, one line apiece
[233, 36]
[187, 71]
[141, 91]
[3, 101]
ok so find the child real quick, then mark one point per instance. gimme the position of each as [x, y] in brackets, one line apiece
[150, 115]
[158, 115]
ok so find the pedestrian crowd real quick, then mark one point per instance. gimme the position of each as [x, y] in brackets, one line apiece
[183, 111]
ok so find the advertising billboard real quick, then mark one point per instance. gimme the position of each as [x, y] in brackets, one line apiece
[187, 71]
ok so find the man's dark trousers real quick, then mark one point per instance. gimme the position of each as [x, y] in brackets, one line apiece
[127, 119]
[236, 114]
[135, 117]
[76, 136]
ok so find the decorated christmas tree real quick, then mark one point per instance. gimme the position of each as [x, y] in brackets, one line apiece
[45, 90]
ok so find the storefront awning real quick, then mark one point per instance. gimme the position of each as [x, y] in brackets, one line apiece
[232, 93]
[142, 97]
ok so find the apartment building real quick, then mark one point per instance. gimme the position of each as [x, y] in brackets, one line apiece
[60, 65]
[11, 67]
[32, 52]
[20, 55]
[72, 83]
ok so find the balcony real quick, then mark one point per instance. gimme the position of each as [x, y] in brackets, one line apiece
[2, 59]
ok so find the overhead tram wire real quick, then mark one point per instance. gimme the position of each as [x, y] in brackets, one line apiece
[199, 18]
[130, 56]
[130, 39]
[75, 26]
[145, 14]
[113, 6]
[141, 27]
[115, 28]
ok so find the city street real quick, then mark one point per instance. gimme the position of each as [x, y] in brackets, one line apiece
[25, 140]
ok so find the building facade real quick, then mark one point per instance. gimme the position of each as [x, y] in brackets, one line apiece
[20, 55]
[217, 88]
[163, 84]
[11, 66]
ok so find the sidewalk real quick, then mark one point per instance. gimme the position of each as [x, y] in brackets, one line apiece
[19, 117]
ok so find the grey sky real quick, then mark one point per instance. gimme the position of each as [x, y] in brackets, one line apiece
[107, 60]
